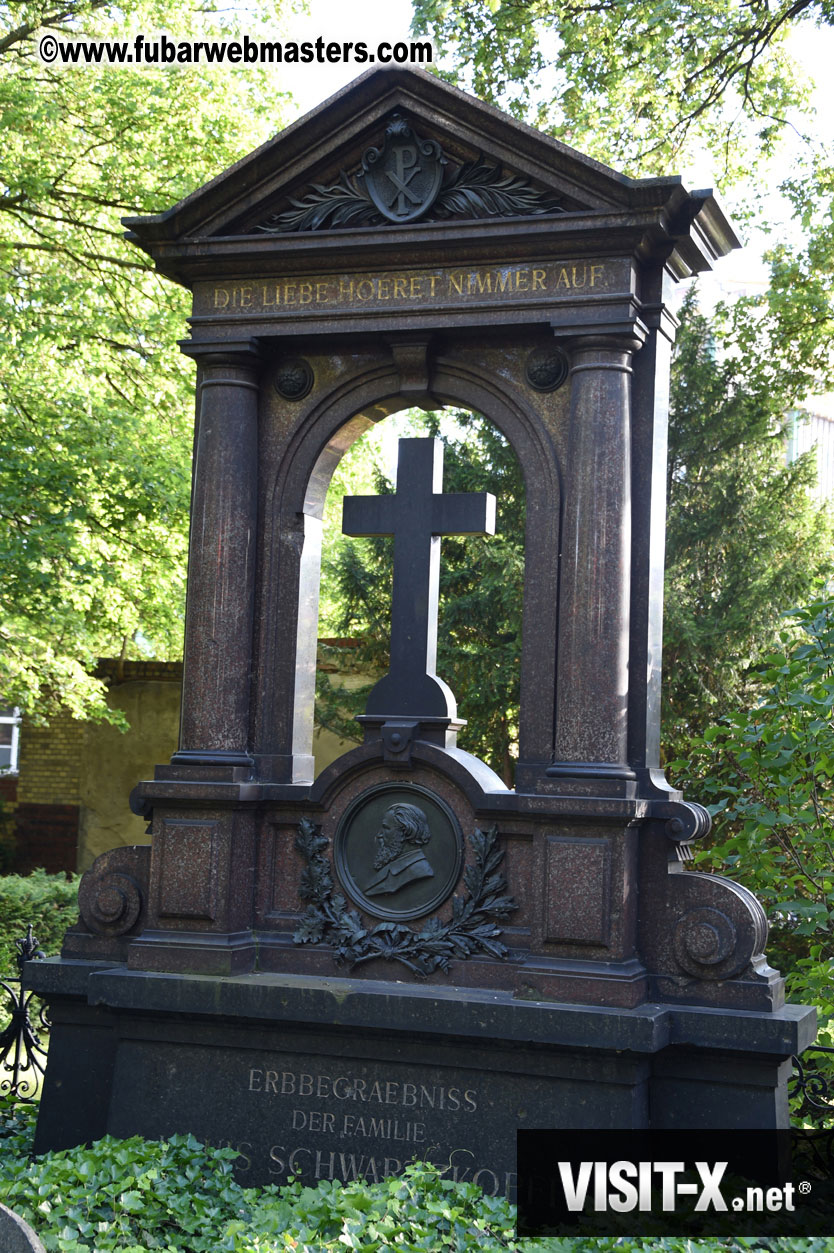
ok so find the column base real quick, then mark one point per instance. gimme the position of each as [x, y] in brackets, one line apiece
[589, 778]
[193, 952]
[223, 767]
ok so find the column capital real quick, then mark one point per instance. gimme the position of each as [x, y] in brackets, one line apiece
[230, 352]
[622, 339]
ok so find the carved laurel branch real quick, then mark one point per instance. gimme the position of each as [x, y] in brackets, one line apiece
[471, 928]
[478, 190]
[474, 190]
[344, 204]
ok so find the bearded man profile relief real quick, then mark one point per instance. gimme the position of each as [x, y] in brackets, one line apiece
[400, 858]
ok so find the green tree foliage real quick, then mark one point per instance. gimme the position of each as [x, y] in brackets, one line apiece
[481, 579]
[46, 902]
[96, 403]
[745, 537]
[357, 474]
[641, 86]
[480, 618]
[790, 334]
[766, 774]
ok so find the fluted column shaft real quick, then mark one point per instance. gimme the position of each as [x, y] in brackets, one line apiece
[221, 561]
[592, 686]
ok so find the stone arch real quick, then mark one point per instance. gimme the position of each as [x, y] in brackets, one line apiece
[283, 705]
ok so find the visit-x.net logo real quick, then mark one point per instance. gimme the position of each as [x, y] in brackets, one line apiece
[698, 1183]
[647, 1186]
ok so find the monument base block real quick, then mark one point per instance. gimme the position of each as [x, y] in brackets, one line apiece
[331, 1078]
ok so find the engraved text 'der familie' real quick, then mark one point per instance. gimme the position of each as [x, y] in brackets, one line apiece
[404, 176]
[398, 851]
[416, 515]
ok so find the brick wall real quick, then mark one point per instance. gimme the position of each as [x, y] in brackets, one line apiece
[47, 836]
[49, 766]
[8, 790]
[8, 805]
[114, 671]
[75, 777]
[47, 814]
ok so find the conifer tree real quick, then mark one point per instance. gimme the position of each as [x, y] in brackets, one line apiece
[746, 539]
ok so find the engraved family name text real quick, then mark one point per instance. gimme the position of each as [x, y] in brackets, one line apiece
[315, 1164]
[343, 1126]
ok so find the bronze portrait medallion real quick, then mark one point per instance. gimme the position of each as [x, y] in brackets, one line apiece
[398, 851]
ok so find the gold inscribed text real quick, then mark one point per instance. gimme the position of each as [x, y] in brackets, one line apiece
[442, 287]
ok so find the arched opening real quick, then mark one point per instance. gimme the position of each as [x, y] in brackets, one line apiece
[481, 589]
[364, 392]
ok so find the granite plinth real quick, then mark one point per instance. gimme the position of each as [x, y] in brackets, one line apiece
[332, 1078]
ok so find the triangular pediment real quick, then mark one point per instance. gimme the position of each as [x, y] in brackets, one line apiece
[350, 164]
[484, 151]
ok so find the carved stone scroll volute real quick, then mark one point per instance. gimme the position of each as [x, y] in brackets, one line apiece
[702, 937]
[112, 902]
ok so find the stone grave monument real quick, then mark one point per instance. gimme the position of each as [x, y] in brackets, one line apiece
[403, 957]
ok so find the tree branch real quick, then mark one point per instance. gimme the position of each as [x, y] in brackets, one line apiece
[28, 28]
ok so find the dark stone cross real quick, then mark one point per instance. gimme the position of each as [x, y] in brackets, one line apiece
[416, 515]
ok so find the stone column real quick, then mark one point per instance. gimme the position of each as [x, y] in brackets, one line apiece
[221, 562]
[594, 581]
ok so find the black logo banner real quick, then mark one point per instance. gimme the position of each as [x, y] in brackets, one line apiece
[676, 1183]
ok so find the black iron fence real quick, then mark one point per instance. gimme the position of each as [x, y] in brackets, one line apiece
[23, 1051]
[811, 1086]
[22, 1040]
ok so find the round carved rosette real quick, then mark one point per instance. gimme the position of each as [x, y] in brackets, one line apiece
[547, 368]
[293, 378]
[110, 903]
[706, 943]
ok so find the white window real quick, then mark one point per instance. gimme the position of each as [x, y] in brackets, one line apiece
[9, 732]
